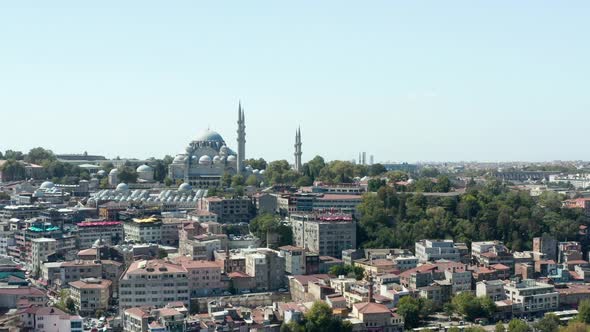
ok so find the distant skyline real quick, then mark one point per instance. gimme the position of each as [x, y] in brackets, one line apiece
[403, 81]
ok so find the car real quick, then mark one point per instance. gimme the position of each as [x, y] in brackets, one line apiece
[245, 291]
[226, 293]
[283, 290]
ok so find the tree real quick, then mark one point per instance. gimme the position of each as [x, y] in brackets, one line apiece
[549, 323]
[472, 307]
[162, 253]
[376, 184]
[39, 155]
[376, 169]
[13, 155]
[167, 182]
[256, 163]
[12, 170]
[268, 223]
[237, 180]
[252, 180]
[226, 180]
[320, 318]
[575, 327]
[584, 312]
[70, 305]
[517, 325]
[409, 308]
[127, 175]
[500, 327]
[4, 196]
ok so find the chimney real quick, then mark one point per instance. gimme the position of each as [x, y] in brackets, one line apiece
[370, 287]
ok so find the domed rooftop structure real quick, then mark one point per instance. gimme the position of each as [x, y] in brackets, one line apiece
[122, 187]
[98, 243]
[101, 172]
[144, 168]
[114, 171]
[205, 160]
[216, 159]
[47, 185]
[231, 159]
[210, 136]
[185, 187]
[179, 159]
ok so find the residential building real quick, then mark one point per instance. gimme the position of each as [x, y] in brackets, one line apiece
[146, 230]
[267, 267]
[493, 289]
[546, 245]
[49, 319]
[376, 317]
[41, 249]
[153, 282]
[90, 295]
[327, 234]
[569, 251]
[228, 210]
[204, 277]
[75, 270]
[110, 232]
[531, 296]
[434, 250]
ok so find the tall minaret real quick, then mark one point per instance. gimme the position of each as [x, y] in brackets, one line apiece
[241, 139]
[298, 152]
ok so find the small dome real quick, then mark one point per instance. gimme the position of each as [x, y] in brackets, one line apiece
[122, 187]
[101, 172]
[256, 171]
[224, 151]
[114, 171]
[410, 181]
[216, 159]
[185, 187]
[98, 243]
[231, 159]
[179, 159]
[144, 168]
[47, 185]
[205, 160]
[249, 168]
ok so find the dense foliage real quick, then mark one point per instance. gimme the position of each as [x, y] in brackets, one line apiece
[391, 219]
[264, 224]
[352, 271]
[471, 307]
[318, 319]
[414, 310]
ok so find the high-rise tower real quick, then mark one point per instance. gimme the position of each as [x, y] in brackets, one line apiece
[241, 139]
[298, 152]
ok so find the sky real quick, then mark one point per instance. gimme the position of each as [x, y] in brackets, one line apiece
[402, 80]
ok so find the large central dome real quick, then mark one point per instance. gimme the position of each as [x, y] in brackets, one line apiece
[210, 136]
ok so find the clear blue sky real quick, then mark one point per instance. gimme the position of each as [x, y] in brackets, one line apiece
[403, 80]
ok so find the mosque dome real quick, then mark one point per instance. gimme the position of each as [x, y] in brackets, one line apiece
[47, 185]
[144, 168]
[101, 173]
[205, 160]
[98, 243]
[262, 172]
[122, 187]
[224, 151]
[185, 187]
[410, 181]
[178, 159]
[256, 171]
[210, 136]
[216, 159]
[231, 159]
[113, 171]
[249, 168]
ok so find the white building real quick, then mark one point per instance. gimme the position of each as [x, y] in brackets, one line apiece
[147, 230]
[532, 296]
[433, 250]
[49, 319]
[40, 250]
[110, 232]
[153, 283]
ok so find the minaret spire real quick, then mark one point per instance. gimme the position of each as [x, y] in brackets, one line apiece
[241, 139]
[298, 153]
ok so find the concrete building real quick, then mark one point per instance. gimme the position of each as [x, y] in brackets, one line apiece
[146, 230]
[532, 297]
[569, 251]
[228, 210]
[493, 289]
[376, 317]
[49, 319]
[433, 250]
[110, 232]
[294, 259]
[41, 249]
[90, 295]
[546, 245]
[155, 283]
[76, 270]
[267, 267]
[204, 277]
[327, 234]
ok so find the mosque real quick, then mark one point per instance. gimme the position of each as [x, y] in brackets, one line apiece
[207, 158]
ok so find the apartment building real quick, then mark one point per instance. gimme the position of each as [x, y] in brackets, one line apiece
[110, 232]
[327, 234]
[90, 295]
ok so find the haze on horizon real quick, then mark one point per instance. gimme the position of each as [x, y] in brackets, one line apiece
[403, 81]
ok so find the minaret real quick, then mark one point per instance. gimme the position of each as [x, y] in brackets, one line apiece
[241, 139]
[298, 152]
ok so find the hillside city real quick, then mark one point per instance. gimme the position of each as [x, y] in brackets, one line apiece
[209, 240]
